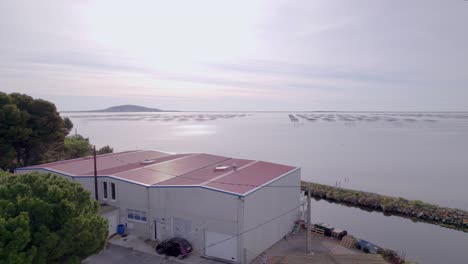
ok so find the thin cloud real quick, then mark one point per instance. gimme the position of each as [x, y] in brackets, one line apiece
[254, 54]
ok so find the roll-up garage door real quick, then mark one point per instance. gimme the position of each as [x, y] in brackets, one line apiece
[221, 246]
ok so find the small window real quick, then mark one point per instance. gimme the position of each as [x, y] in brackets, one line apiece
[185, 244]
[113, 191]
[135, 215]
[131, 214]
[104, 185]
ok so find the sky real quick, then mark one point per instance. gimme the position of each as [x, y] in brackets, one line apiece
[238, 55]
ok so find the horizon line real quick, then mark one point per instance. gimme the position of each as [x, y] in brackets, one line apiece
[276, 111]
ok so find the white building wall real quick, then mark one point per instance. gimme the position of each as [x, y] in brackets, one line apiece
[87, 183]
[189, 212]
[128, 196]
[264, 205]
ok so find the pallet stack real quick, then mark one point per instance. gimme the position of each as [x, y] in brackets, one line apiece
[318, 231]
[348, 241]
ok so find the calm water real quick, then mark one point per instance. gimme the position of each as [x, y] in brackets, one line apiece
[413, 155]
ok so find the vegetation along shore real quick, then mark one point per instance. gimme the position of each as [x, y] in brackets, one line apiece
[414, 209]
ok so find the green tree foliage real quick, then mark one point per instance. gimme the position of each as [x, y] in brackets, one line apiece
[105, 150]
[31, 131]
[47, 219]
[3, 173]
[77, 146]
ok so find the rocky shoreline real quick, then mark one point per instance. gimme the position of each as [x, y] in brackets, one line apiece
[414, 209]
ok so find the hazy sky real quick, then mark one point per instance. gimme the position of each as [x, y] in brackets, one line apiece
[238, 55]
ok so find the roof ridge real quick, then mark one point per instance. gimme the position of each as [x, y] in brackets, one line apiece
[147, 166]
[211, 164]
[227, 173]
[182, 175]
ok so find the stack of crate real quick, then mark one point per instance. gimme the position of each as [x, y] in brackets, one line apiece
[348, 241]
[318, 231]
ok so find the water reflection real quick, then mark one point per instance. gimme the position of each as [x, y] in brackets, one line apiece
[421, 242]
[195, 130]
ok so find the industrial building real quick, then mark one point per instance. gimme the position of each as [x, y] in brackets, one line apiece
[229, 209]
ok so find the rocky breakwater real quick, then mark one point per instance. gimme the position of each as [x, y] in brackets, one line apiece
[414, 209]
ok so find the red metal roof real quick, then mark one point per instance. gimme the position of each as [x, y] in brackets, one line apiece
[147, 177]
[250, 177]
[155, 168]
[204, 174]
[188, 164]
[113, 163]
[130, 167]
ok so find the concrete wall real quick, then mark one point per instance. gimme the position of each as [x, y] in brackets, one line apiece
[189, 211]
[87, 183]
[128, 196]
[264, 205]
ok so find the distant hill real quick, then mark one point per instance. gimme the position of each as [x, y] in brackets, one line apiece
[126, 108]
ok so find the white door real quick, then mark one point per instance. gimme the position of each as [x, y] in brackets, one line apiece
[181, 227]
[112, 219]
[221, 246]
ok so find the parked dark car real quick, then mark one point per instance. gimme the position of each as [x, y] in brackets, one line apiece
[367, 247]
[176, 247]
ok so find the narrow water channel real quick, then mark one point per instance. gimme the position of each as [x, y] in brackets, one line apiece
[421, 242]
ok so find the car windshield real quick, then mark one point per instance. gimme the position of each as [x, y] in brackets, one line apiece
[184, 243]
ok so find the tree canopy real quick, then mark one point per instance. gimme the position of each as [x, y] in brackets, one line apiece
[47, 219]
[76, 146]
[31, 131]
[105, 150]
[3, 173]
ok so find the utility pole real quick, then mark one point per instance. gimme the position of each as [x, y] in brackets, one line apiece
[95, 176]
[308, 220]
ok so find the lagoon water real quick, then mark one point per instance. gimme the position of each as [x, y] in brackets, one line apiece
[413, 155]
